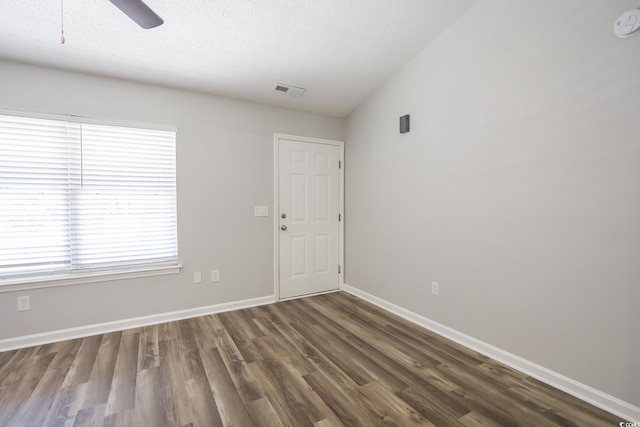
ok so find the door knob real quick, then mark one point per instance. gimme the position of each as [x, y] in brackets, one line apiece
[283, 228]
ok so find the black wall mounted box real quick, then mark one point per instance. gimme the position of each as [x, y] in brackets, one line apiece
[404, 124]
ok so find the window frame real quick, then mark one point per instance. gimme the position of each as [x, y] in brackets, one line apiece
[41, 279]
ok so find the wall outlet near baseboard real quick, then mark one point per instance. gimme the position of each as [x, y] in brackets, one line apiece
[435, 288]
[24, 303]
[215, 275]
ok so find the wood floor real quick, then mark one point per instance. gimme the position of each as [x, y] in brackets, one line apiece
[329, 360]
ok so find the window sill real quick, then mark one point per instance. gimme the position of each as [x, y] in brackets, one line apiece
[38, 282]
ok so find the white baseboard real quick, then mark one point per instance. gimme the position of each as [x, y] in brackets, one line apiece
[119, 325]
[602, 400]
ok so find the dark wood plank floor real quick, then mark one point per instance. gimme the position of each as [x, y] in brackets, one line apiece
[327, 360]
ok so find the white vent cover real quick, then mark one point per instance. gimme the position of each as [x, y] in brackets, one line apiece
[288, 90]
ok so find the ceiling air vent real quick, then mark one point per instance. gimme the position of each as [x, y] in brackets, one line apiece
[288, 90]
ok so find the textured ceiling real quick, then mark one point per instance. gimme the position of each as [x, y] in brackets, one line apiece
[339, 50]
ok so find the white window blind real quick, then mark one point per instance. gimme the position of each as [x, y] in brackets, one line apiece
[77, 195]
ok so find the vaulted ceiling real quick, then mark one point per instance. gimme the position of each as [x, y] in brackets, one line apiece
[340, 51]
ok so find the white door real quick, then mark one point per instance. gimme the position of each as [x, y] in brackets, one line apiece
[309, 217]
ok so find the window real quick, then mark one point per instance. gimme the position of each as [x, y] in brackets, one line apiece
[80, 196]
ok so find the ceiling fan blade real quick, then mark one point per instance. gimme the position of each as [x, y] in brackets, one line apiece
[139, 12]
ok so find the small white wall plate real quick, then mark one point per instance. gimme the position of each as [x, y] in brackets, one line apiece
[627, 24]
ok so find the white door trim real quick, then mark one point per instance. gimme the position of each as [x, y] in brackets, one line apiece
[276, 208]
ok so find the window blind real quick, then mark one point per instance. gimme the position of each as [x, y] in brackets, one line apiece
[81, 196]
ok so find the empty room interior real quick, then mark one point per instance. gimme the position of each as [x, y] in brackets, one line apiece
[415, 212]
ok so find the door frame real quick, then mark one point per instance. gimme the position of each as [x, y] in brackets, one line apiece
[276, 206]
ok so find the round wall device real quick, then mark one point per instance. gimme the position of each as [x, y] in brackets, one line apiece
[627, 24]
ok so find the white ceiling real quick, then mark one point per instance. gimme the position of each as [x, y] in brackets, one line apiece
[339, 50]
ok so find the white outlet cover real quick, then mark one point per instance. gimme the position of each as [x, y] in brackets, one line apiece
[215, 275]
[435, 288]
[24, 303]
[197, 277]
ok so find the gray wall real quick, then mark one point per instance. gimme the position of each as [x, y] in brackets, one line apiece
[224, 168]
[518, 187]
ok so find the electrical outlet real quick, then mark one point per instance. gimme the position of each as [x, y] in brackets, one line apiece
[215, 275]
[435, 288]
[24, 303]
[197, 277]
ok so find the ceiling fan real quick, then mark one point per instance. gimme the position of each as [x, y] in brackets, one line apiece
[139, 12]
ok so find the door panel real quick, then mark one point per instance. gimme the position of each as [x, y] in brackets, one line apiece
[309, 198]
